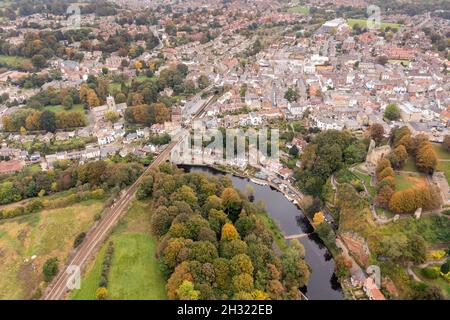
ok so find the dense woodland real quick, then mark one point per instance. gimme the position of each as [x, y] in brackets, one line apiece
[328, 152]
[213, 243]
[96, 174]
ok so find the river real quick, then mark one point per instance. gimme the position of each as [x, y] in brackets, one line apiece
[323, 284]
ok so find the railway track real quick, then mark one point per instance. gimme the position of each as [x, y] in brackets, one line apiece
[58, 288]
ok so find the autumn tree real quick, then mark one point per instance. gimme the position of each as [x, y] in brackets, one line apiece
[387, 172]
[384, 196]
[101, 293]
[381, 165]
[376, 132]
[229, 232]
[241, 263]
[92, 99]
[319, 217]
[426, 158]
[186, 291]
[398, 157]
[231, 203]
[446, 143]
[112, 116]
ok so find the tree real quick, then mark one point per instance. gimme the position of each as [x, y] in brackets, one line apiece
[229, 232]
[250, 192]
[232, 203]
[342, 266]
[291, 95]
[398, 157]
[381, 165]
[203, 82]
[145, 188]
[38, 61]
[318, 218]
[23, 131]
[92, 99]
[186, 291]
[446, 143]
[295, 270]
[377, 132]
[242, 283]
[112, 116]
[387, 172]
[50, 269]
[101, 293]
[426, 158]
[294, 151]
[384, 196]
[240, 264]
[67, 102]
[417, 248]
[382, 60]
[392, 112]
[47, 121]
[445, 268]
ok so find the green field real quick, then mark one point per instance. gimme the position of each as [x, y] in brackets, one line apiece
[441, 152]
[14, 61]
[135, 272]
[443, 166]
[366, 178]
[410, 165]
[405, 181]
[299, 9]
[47, 234]
[58, 108]
[363, 23]
[440, 282]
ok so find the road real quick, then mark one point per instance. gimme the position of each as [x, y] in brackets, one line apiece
[58, 288]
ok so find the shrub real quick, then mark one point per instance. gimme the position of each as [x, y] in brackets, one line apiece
[430, 273]
[79, 239]
[50, 269]
[101, 293]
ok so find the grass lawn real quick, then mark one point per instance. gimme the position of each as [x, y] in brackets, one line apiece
[135, 272]
[58, 108]
[113, 87]
[47, 234]
[410, 165]
[14, 61]
[402, 62]
[440, 282]
[366, 178]
[363, 23]
[443, 166]
[441, 152]
[299, 9]
[404, 181]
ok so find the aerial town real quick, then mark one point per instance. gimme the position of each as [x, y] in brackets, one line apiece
[119, 174]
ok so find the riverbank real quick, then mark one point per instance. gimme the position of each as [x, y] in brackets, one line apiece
[323, 284]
